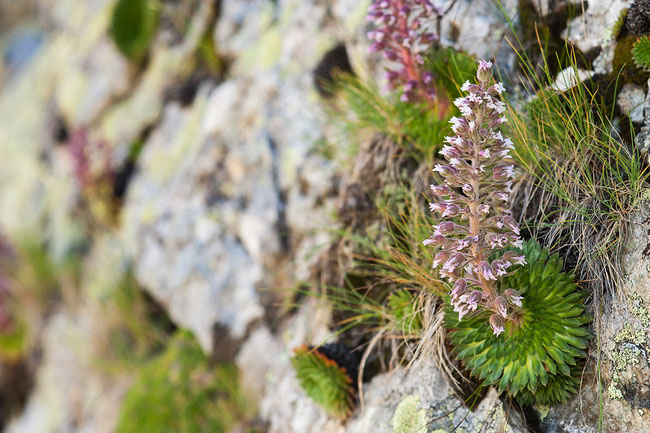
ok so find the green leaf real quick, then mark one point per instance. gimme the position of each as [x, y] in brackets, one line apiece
[133, 26]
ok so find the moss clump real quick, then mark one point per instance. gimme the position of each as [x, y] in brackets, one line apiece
[324, 381]
[180, 392]
[534, 361]
[133, 25]
[623, 63]
[13, 340]
[618, 25]
[409, 417]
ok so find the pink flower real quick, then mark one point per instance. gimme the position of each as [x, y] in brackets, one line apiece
[501, 305]
[486, 270]
[513, 296]
[459, 287]
[497, 324]
[453, 262]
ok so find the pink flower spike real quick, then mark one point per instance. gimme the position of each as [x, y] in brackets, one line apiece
[475, 221]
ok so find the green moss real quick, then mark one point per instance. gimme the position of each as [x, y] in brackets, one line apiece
[409, 417]
[180, 392]
[618, 25]
[623, 62]
[13, 340]
[133, 25]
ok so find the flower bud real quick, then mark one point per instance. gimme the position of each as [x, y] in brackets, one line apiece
[484, 73]
[459, 287]
[501, 306]
[497, 324]
[513, 296]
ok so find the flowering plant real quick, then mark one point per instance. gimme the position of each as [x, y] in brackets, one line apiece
[477, 226]
[404, 33]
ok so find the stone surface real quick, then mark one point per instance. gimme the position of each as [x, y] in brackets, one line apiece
[71, 393]
[568, 78]
[593, 28]
[124, 121]
[643, 137]
[481, 27]
[625, 363]
[178, 221]
[632, 101]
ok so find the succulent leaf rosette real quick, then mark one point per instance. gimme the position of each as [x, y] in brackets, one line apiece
[539, 360]
[324, 380]
[516, 319]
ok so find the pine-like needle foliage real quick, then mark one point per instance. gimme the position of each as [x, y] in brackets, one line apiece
[324, 381]
[534, 360]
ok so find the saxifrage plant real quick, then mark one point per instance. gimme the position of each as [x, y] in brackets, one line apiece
[522, 330]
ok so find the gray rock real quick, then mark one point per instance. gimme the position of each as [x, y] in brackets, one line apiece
[183, 215]
[593, 28]
[632, 101]
[71, 394]
[481, 28]
[643, 136]
[624, 334]
[423, 388]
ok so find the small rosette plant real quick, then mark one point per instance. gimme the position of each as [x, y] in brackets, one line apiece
[539, 359]
[324, 379]
[476, 223]
[403, 33]
[516, 319]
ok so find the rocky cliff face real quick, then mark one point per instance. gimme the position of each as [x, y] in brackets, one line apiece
[231, 196]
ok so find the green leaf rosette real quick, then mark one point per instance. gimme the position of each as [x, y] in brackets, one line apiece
[536, 359]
